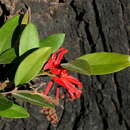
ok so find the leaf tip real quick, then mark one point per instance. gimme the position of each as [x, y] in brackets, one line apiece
[62, 35]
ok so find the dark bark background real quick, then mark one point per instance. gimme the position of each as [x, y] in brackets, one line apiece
[90, 26]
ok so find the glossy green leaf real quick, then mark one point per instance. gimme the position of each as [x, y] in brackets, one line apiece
[15, 111]
[54, 41]
[101, 63]
[35, 99]
[6, 33]
[31, 65]
[4, 103]
[7, 56]
[29, 39]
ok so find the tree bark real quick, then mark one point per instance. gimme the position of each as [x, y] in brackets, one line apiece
[90, 26]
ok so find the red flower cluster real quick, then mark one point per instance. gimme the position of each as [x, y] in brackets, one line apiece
[62, 77]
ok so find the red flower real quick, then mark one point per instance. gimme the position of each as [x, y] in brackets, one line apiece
[72, 85]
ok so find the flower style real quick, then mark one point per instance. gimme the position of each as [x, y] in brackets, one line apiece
[72, 85]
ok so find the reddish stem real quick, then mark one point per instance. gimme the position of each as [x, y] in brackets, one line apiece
[57, 94]
[49, 86]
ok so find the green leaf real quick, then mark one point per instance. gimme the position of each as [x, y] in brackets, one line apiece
[7, 56]
[54, 41]
[100, 63]
[31, 65]
[6, 33]
[4, 103]
[77, 65]
[10, 110]
[33, 98]
[29, 39]
[15, 111]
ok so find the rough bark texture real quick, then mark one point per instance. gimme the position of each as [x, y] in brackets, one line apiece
[90, 26]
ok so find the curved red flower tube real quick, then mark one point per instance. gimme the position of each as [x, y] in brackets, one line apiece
[62, 77]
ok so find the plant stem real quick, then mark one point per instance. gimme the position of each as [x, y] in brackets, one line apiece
[46, 73]
[10, 92]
